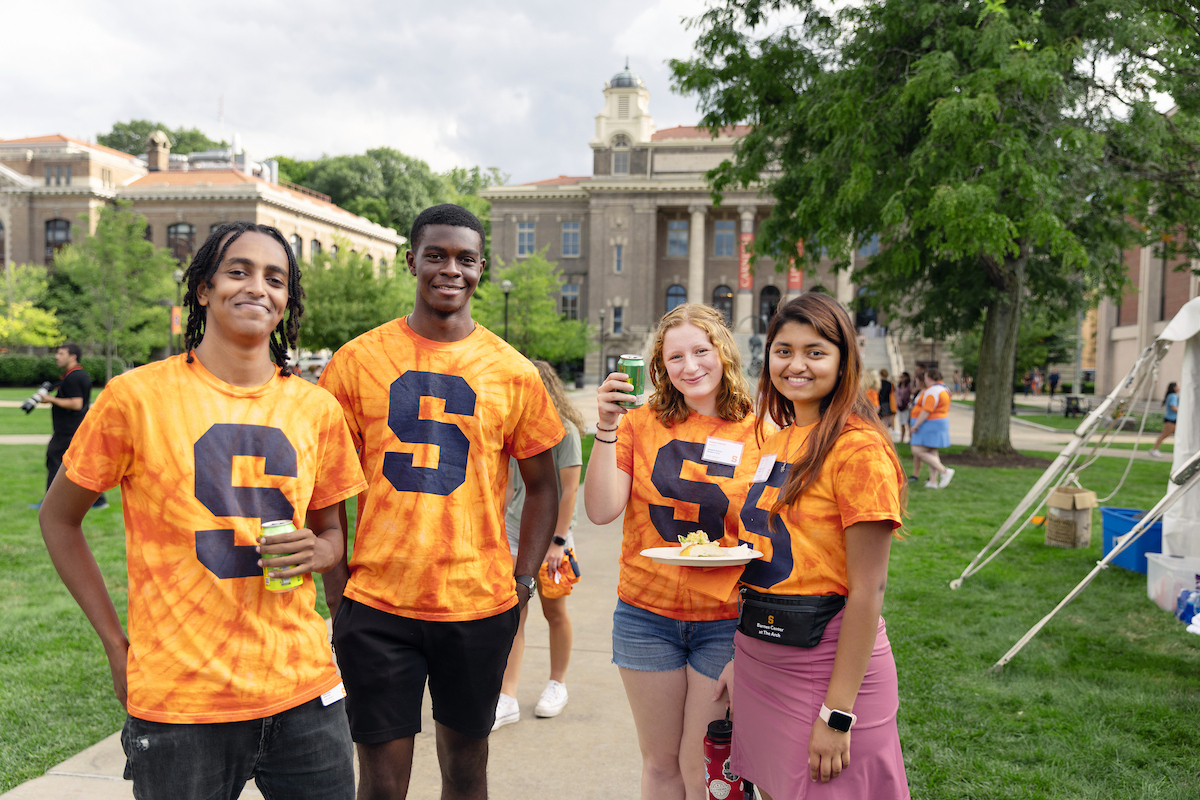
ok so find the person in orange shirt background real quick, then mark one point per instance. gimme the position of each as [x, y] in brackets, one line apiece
[931, 429]
[222, 679]
[814, 670]
[437, 405]
[680, 463]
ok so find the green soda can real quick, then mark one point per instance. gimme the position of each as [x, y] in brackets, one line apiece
[279, 584]
[635, 367]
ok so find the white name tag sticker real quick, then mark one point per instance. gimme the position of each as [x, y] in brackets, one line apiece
[723, 451]
[765, 465]
[334, 694]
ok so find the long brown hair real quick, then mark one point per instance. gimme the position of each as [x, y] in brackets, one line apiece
[845, 406]
[733, 398]
[567, 411]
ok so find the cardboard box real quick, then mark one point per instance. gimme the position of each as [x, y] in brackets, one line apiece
[1069, 517]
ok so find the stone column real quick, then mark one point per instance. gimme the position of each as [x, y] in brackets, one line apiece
[696, 244]
[744, 303]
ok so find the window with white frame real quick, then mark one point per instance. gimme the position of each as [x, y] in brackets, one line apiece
[621, 155]
[723, 241]
[297, 245]
[677, 238]
[618, 319]
[619, 259]
[570, 239]
[524, 239]
[314, 248]
[570, 301]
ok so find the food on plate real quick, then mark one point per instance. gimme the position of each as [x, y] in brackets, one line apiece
[697, 544]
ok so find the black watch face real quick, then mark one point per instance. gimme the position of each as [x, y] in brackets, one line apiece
[839, 721]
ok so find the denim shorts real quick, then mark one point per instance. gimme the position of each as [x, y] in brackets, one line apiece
[649, 642]
[304, 752]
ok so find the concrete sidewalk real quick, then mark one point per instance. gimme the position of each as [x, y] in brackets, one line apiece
[589, 751]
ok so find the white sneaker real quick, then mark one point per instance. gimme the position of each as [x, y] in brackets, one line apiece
[932, 484]
[507, 711]
[1155, 453]
[946, 477]
[552, 701]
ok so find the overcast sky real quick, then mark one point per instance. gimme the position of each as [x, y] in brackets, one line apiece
[515, 84]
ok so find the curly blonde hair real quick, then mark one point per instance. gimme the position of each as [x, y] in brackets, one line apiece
[733, 398]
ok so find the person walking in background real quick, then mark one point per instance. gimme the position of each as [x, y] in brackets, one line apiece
[568, 463]
[1170, 415]
[956, 384]
[813, 687]
[1037, 382]
[931, 429]
[1027, 383]
[687, 454]
[871, 385]
[904, 394]
[70, 403]
[1054, 378]
[887, 400]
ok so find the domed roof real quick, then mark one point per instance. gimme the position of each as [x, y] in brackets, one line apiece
[625, 79]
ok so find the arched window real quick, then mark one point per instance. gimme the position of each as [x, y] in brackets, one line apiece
[58, 236]
[333, 250]
[620, 155]
[297, 245]
[768, 301]
[676, 296]
[723, 301]
[314, 248]
[2, 240]
[383, 263]
[181, 239]
[369, 259]
[149, 234]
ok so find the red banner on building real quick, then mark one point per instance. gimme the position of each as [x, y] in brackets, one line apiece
[745, 276]
[795, 280]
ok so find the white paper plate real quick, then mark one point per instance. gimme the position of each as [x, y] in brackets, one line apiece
[670, 555]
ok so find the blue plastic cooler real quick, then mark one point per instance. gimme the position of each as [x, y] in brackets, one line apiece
[1119, 521]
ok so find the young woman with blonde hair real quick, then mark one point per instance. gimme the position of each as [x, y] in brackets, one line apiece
[814, 668]
[680, 463]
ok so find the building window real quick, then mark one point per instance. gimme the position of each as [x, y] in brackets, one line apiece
[58, 236]
[723, 301]
[570, 239]
[149, 234]
[181, 238]
[621, 155]
[570, 301]
[623, 107]
[677, 238]
[768, 301]
[297, 245]
[723, 239]
[676, 296]
[314, 248]
[333, 250]
[68, 181]
[524, 239]
[49, 175]
[2, 261]
[383, 264]
[871, 248]
[618, 319]
[619, 263]
[370, 260]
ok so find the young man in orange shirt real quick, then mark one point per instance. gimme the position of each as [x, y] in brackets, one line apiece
[222, 680]
[437, 405]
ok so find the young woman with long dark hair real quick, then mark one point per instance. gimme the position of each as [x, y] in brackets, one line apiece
[813, 665]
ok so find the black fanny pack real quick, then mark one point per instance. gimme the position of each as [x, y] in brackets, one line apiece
[794, 620]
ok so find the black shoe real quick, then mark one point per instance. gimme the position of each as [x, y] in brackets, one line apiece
[913, 478]
[100, 504]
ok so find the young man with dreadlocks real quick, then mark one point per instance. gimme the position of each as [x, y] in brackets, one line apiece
[222, 680]
[437, 405]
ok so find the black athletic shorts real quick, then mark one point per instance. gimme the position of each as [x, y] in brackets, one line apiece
[385, 660]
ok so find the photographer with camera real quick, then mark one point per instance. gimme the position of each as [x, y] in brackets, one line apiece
[70, 403]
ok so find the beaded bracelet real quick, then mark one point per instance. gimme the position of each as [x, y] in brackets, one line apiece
[606, 430]
[607, 441]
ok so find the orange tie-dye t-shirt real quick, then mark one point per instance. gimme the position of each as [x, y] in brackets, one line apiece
[806, 552]
[201, 464]
[436, 423]
[675, 492]
[935, 400]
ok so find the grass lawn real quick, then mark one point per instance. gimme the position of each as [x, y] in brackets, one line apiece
[14, 420]
[1102, 704]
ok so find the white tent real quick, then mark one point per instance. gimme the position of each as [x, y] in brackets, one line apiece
[1181, 523]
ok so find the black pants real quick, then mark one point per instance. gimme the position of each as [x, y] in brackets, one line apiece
[54, 456]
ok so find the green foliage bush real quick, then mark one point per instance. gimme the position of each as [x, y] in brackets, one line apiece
[20, 369]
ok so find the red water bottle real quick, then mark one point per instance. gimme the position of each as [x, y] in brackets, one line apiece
[719, 781]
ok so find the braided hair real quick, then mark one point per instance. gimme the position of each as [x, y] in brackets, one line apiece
[204, 266]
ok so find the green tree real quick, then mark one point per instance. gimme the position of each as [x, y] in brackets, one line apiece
[130, 137]
[535, 326]
[124, 288]
[346, 295]
[1045, 337]
[981, 141]
[23, 320]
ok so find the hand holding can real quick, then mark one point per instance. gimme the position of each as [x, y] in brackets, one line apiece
[278, 584]
[634, 366]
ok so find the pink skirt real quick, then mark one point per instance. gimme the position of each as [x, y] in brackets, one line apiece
[777, 694]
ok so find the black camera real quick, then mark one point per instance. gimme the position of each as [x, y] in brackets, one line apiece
[29, 405]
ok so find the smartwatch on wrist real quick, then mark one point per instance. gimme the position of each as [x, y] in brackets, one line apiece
[841, 721]
[559, 540]
[528, 582]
